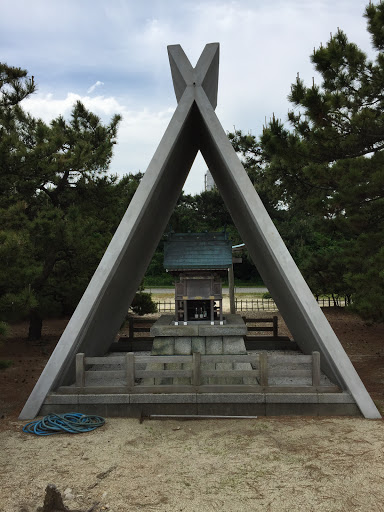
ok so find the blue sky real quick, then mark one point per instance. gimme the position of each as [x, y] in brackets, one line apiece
[112, 55]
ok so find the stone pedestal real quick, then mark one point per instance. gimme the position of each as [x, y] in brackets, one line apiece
[202, 337]
[170, 339]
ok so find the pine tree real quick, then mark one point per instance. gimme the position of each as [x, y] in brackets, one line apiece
[327, 167]
[44, 170]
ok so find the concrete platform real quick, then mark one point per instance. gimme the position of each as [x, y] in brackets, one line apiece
[234, 326]
[227, 404]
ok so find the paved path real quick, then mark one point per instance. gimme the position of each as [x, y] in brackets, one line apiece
[238, 289]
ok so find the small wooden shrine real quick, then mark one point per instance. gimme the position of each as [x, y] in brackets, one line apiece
[199, 261]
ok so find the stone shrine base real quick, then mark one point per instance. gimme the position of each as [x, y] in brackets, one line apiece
[109, 396]
[170, 339]
[202, 337]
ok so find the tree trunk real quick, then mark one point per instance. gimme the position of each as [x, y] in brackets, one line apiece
[35, 326]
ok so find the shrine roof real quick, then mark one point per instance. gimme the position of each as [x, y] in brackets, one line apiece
[197, 251]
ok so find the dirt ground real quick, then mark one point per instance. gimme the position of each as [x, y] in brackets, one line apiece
[268, 464]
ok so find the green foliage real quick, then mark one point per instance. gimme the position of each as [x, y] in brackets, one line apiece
[5, 363]
[58, 210]
[321, 178]
[143, 304]
[3, 329]
[16, 306]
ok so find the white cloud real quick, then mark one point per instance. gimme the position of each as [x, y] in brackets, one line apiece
[47, 107]
[139, 134]
[93, 87]
[263, 46]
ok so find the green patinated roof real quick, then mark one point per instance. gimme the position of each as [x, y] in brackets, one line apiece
[192, 251]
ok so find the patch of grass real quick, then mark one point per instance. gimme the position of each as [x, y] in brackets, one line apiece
[162, 296]
[5, 363]
[247, 295]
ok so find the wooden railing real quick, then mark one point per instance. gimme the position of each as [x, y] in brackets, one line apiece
[136, 370]
[132, 342]
[272, 325]
[139, 325]
[263, 333]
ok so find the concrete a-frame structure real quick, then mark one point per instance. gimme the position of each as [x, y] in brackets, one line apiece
[194, 126]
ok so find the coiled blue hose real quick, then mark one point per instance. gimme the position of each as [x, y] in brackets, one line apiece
[72, 423]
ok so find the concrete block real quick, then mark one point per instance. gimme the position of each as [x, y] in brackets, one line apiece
[222, 330]
[104, 399]
[291, 398]
[168, 408]
[186, 330]
[61, 399]
[98, 409]
[289, 381]
[206, 366]
[58, 409]
[335, 398]
[148, 381]
[173, 366]
[232, 409]
[233, 345]
[338, 410]
[165, 327]
[235, 319]
[164, 346]
[163, 398]
[224, 366]
[198, 344]
[234, 326]
[183, 345]
[243, 366]
[163, 381]
[133, 410]
[164, 320]
[291, 409]
[247, 367]
[225, 380]
[214, 345]
[183, 381]
[117, 410]
[212, 398]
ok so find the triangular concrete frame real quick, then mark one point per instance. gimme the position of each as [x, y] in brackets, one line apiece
[194, 126]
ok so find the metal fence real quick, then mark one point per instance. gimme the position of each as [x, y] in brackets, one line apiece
[165, 306]
[255, 305]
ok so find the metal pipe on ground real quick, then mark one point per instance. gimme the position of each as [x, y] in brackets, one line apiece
[194, 417]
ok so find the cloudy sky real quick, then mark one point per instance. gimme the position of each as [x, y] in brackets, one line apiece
[112, 56]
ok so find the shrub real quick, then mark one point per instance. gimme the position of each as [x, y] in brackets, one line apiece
[5, 363]
[143, 304]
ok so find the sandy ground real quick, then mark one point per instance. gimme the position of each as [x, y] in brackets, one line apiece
[266, 464]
